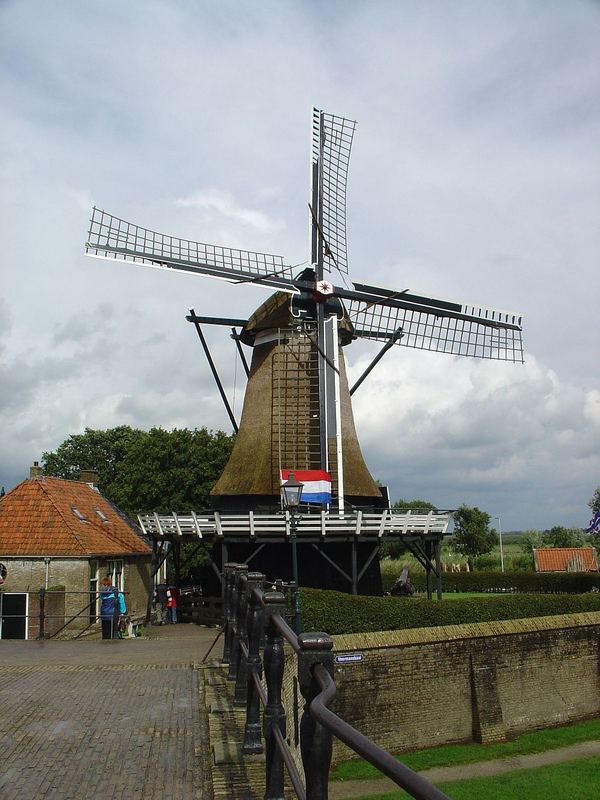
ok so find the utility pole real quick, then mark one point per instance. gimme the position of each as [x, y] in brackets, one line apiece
[500, 538]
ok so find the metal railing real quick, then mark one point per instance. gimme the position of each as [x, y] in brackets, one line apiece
[255, 612]
[42, 617]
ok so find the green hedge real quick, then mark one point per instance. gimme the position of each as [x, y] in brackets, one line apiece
[335, 612]
[544, 582]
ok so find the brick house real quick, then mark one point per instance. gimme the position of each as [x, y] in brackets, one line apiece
[56, 532]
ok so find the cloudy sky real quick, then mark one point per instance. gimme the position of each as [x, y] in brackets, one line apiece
[475, 176]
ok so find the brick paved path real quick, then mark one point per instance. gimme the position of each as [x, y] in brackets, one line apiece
[105, 729]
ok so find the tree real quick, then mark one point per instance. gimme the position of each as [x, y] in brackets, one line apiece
[103, 451]
[594, 502]
[472, 534]
[558, 536]
[155, 470]
[397, 549]
[530, 539]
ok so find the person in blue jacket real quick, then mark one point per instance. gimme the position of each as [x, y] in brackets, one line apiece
[112, 605]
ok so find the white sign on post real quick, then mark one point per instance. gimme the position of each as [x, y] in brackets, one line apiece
[349, 658]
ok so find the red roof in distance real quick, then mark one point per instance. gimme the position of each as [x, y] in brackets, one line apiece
[565, 559]
[45, 516]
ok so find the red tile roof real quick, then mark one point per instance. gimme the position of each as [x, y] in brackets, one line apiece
[558, 559]
[37, 519]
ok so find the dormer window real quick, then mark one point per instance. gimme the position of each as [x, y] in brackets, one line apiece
[79, 514]
[101, 514]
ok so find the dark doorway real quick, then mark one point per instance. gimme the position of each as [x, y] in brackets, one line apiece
[13, 619]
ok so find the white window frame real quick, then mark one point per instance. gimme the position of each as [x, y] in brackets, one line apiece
[115, 569]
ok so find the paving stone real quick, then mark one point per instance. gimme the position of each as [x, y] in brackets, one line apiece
[117, 731]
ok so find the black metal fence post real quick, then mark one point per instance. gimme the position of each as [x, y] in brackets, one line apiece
[42, 630]
[315, 740]
[274, 716]
[229, 575]
[252, 738]
[236, 622]
[250, 581]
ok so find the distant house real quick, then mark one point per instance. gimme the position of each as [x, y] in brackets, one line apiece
[565, 559]
[56, 532]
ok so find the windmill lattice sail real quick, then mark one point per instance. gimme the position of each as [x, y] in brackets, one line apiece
[118, 240]
[439, 326]
[331, 145]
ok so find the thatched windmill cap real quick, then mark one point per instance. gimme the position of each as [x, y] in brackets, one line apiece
[282, 310]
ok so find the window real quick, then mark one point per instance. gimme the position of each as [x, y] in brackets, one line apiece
[101, 514]
[114, 570]
[94, 599]
[79, 514]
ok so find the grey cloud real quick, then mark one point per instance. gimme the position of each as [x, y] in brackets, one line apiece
[474, 176]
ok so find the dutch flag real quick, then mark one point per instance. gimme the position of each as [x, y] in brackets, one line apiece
[317, 484]
[591, 528]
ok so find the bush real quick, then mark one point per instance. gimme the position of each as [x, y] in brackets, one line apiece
[337, 613]
[522, 563]
[489, 561]
[544, 582]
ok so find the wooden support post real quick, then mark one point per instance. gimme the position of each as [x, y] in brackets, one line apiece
[428, 570]
[177, 561]
[438, 566]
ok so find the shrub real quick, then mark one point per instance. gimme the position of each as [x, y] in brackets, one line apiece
[522, 563]
[518, 579]
[337, 613]
[544, 582]
[489, 561]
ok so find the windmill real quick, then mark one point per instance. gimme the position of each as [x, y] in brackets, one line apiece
[297, 413]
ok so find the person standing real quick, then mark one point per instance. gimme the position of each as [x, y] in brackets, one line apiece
[112, 606]
[172, 605]
[160, 602]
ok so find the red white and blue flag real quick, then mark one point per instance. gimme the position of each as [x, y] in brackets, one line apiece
[592, 527]
[317, 484]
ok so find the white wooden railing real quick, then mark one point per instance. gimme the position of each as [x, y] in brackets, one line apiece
[325, 524]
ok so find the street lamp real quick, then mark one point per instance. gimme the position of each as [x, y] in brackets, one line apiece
[291, 492]
[500, 538]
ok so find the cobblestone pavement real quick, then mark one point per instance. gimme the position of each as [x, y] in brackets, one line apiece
[98, 726]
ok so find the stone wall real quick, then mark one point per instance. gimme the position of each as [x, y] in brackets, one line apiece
[29, 575]
[483, 682]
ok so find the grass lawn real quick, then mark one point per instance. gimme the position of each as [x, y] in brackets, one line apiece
[575, 780]
[455, 754]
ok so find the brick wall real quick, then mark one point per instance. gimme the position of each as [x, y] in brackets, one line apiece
[29, 575]
[483, 682]
[137, 583]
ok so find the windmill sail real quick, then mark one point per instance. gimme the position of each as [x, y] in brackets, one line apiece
[437, 325]
[114, 238]
[331, 146]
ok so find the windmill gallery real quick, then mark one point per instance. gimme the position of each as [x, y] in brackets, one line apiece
[297, 413]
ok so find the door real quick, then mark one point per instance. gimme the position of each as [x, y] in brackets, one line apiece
[13, 616]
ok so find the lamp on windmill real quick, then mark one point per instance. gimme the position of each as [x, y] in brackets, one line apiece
[291, 494]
